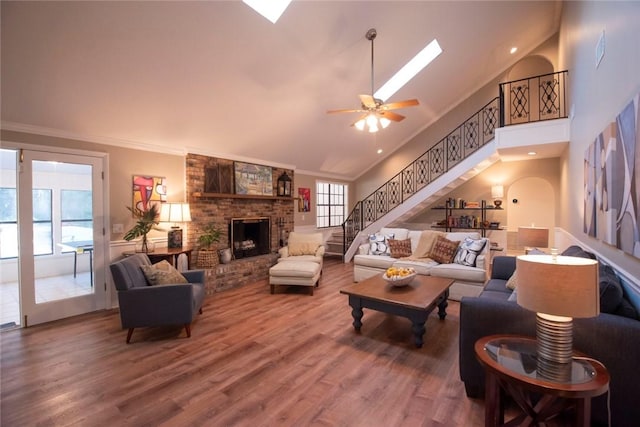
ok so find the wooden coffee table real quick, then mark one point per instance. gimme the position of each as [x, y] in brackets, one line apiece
[414, 301]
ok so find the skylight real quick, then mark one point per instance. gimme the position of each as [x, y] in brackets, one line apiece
[270, 9]
[411, 68]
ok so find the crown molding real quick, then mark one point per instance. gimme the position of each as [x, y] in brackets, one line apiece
[136, 145]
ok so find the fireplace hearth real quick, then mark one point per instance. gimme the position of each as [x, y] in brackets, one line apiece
[250, 236]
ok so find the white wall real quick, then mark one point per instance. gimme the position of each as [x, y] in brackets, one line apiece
[597, 95]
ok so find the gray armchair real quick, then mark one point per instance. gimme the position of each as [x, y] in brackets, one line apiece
[142, 305]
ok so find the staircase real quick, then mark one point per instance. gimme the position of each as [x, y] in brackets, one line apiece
[461, 155]
[334, 246]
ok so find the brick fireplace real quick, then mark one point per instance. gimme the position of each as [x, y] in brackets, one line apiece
[221, 209]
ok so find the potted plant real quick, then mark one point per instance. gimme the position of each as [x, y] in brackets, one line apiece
[147, 221]
[207, 258]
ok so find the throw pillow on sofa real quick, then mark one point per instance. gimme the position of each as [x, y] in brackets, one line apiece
[303, 248]
[443, 250]
[469, 250]
[379, 244]
[513, 281]
[400, 248]
[162, 273]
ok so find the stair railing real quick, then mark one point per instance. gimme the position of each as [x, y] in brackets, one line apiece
[464, 140]
[546, 94]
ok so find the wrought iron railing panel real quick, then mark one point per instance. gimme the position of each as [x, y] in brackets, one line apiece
[534, 99]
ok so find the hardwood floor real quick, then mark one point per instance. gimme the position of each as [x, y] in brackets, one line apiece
[253, 359]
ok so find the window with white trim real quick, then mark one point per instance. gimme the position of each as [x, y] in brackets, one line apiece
[331, 204]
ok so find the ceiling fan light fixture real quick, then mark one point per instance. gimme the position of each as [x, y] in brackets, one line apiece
[372, 120]
[360, 124]
[384, 122]
[374, 128]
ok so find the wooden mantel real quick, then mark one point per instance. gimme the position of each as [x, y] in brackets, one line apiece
[201, 195]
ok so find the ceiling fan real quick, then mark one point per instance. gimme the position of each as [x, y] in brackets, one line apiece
[376, 112]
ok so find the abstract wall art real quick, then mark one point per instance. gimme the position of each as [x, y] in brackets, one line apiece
[612, 182]
[148, 190]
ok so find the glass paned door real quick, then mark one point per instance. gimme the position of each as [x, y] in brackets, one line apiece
[60, 229]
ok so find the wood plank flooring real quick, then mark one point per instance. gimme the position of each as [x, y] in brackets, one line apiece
[253, 359]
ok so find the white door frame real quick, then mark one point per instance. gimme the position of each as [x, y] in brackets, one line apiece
[37, 313]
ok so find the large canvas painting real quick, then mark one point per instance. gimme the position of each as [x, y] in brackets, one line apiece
[148, 190]
[253, 179]
[612, 182]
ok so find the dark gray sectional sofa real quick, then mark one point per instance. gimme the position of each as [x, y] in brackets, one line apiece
[613, 337]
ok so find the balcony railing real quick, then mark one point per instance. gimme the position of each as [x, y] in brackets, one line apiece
[533, 99]
[545, 94]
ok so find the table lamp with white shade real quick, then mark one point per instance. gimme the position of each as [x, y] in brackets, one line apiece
[175, 213]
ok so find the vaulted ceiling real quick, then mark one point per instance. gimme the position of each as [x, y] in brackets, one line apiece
[216, 78]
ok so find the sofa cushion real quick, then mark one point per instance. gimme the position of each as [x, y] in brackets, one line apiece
[422, 266]
[400, 248]
[459, 272]
[425, 243]
[443, 250]
[302, 248]
[162, 273]
[577, 251]
[375, 261]
[469, 250]
[460, 235]
[303, 243]
[396, 233]
[610, 289]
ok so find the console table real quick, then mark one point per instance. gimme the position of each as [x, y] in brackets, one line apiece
[170, 255]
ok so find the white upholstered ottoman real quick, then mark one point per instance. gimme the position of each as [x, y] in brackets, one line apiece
[295, 273]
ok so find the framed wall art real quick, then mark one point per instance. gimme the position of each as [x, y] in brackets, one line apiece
[148, 190]
[612, 182]
[253, 179]
[304, 200]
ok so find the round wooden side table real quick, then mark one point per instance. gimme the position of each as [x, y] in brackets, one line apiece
[512, 366]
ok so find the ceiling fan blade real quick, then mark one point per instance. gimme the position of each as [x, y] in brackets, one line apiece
[345, 111]
[399, 104]
[368, 101]
[391, 116]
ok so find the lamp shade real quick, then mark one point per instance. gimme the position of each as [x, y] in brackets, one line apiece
[558, 285]
[533, 237]
[497, 191]
[175, 212]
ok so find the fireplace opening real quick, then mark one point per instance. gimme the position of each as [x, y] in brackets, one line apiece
[250, 236]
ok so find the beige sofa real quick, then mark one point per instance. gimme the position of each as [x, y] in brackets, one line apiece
[468, 280]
